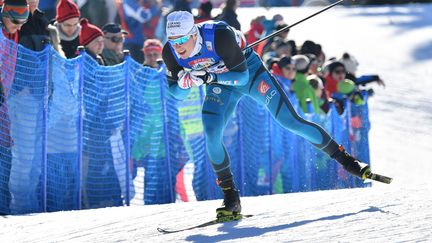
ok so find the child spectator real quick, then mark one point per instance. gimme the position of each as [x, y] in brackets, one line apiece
[284, 70]
[92, 38]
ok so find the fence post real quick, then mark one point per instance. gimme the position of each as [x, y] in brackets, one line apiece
[127, 123]
[80, 124]
[44, 129]
[166, 135]
[270, 157]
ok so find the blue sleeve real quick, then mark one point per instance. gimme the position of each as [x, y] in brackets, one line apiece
[366, 79]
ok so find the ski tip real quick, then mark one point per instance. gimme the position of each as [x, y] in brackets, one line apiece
[380, 178]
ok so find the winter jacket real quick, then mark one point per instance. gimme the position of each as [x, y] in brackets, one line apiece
[34, 33]
[230, 17]
[304, 91]
[132, 17]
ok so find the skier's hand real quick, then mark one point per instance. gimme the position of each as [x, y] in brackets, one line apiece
[184, 80]
[204, 76]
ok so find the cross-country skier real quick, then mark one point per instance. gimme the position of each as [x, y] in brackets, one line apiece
[211, 53]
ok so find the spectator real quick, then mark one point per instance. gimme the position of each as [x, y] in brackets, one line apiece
[317, 84]
[10, 23]
[34, 33]
[285, 72]
[92, 38]
[88, 7]
[182, 5]
[152, 53]
[229, 14]
[256, 31]
[301, 85]
[149, 27]
[204, 11]
[24, 172]
[133, 16]
[67, 24]
[338, 87]
[310, 47]
[14, 15]
[49, 8]
[270, 44]
[336, 74]
[114, 37]
[314, 67]
[351, 65]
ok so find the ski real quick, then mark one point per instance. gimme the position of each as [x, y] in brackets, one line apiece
[223, 219]
[378, 177]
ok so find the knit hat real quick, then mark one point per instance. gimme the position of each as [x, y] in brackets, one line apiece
[66, 9]
[89, 32]
[180, 23]
[301, 63]
[350, 63]
[15, 9]
[315, 81]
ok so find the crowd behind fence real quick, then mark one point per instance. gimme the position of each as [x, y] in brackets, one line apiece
[78, 135]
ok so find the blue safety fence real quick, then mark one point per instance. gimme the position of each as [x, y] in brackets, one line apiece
[78, 135]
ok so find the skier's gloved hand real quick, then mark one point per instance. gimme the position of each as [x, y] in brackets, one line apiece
[206, 77]
[184, 80]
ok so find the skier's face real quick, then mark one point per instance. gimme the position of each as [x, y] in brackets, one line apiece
[183, 45]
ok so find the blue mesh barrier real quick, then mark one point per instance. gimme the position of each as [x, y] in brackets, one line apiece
[76, 135]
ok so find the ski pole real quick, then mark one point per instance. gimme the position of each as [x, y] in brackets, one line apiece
[290, 26]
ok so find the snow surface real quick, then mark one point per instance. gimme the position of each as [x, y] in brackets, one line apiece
[394, 42]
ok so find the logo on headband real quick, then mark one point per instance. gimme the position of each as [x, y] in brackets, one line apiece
[174, 24]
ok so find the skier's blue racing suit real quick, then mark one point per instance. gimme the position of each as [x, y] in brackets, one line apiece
[238, 73]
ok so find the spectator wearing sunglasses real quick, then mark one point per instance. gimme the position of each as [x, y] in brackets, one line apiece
[67, 24]
[284, 70]
[14, 14]
[114, 37]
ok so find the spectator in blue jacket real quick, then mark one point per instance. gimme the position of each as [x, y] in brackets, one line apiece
[133, 16]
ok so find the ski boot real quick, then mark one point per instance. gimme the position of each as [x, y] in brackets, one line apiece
[350, 164]
[231, 208]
